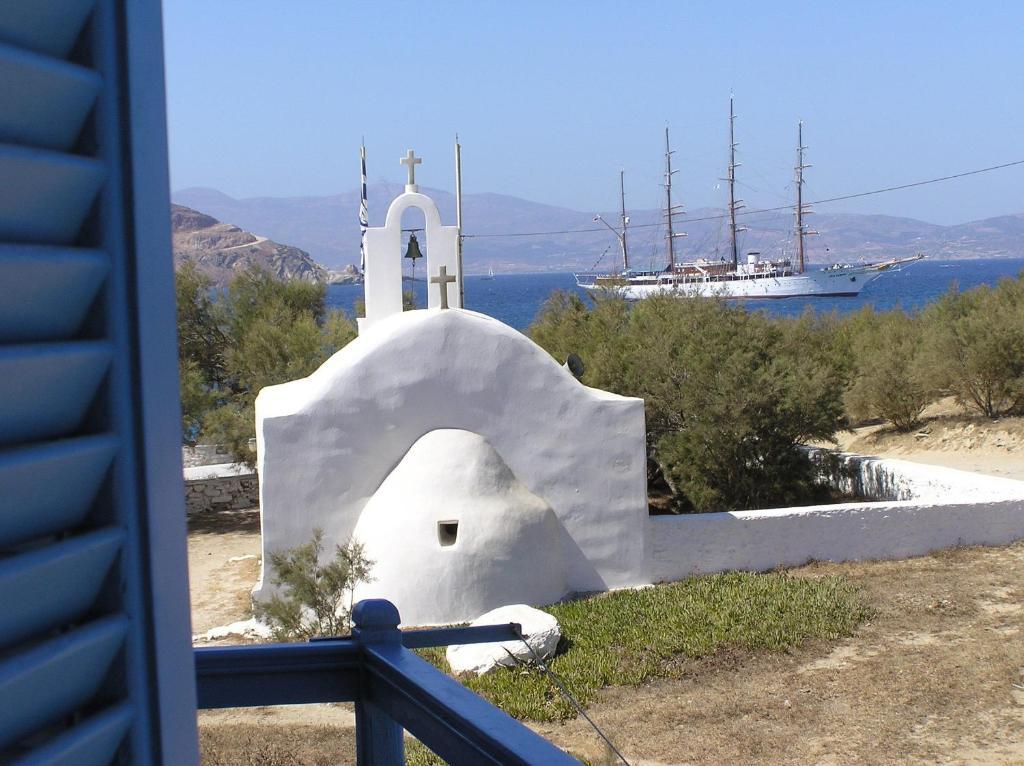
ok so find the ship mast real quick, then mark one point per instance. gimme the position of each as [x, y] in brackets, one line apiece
[734, 204]
[801, 207]
[670, 209]
[624, 219]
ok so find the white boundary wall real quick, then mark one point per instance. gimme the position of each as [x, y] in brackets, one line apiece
[926, 508]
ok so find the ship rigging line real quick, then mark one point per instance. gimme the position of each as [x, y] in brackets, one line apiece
[764, 209]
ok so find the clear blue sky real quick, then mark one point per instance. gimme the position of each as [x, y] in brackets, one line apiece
[551, 98]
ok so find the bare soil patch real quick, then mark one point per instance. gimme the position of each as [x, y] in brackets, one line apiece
[950, 438]
[223, 565]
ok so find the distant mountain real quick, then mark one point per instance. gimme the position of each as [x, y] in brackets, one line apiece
[328, 227]
[221, 250]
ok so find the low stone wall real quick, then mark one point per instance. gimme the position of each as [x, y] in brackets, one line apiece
[923, 508]
[225, 487]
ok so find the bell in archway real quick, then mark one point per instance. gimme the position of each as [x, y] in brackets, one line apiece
[412, 252]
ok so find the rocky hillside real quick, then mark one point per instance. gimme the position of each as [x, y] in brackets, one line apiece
[328, 227]
[221, 250]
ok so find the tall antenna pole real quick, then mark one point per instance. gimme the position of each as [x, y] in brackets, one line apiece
[669, 172]
[625, 220]
[734, 204]
[800, 194]
[801, 208]
[458, 218]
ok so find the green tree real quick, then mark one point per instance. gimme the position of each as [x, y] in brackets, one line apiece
[976, 345]
[258, 333]
[890, 378]
[201, 338]
[201, 349]
[197, 399]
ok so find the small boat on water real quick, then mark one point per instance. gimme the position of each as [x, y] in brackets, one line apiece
[754, 279]
[490, 273]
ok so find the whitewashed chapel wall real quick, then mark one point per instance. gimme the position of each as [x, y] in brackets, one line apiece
[326, 443]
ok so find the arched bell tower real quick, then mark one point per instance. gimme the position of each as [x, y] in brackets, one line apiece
[382, 286]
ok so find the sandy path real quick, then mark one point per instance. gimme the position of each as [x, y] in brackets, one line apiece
[256, 241]
[948, 438]
[223, 564]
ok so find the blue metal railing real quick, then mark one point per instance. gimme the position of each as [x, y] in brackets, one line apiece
[392, 688]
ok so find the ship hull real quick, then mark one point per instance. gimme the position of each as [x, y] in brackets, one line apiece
[845, 281]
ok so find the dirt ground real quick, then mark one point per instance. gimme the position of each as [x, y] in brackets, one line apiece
[223, 565]
[949, 438]
[936, 677]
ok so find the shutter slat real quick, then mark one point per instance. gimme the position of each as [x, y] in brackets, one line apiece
[92, 742]
[45, 389]
[45, 195]
[52, 679]
[52, 288]
[56, 584]
[46, 100]
[49, 487]
[46, 26]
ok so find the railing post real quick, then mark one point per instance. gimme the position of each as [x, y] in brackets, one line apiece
[378, 736]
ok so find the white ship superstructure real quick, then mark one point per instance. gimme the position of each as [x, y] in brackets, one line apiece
[754, 280]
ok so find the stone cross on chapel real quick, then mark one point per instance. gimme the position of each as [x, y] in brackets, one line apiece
[442, 280]
[382, 286]
[412, 161]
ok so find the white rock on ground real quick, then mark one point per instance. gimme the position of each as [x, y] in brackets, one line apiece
[251, 628]
[540, 630]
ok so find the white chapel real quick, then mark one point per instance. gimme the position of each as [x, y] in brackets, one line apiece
[475, 469]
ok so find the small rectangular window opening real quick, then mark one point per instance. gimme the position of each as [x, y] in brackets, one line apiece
[447, 531]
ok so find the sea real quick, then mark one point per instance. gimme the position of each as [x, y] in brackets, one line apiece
[515, 299]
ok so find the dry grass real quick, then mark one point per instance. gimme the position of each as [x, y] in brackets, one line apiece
[251, 745]
[930, 679]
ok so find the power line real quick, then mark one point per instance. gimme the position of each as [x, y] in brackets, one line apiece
[762, 210]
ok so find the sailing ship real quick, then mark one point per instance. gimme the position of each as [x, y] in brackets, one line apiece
[756, 278]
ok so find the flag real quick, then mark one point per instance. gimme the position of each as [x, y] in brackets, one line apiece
[364, 221]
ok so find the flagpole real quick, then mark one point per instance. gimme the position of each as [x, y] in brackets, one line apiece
[364, 218]
[458, 218]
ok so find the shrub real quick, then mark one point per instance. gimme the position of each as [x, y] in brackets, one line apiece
[315, 598]
[976, 342]
[890, 378]
[728, 394]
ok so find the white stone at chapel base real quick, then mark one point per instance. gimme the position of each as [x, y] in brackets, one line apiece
[540, 629]
[452, 532]
[327, 443]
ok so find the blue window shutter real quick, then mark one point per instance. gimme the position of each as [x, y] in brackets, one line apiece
[95, 657]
